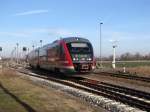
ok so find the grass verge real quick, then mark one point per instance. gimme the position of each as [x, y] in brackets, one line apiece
[20, 95]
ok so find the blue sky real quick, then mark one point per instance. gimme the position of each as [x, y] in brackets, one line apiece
[28, 21]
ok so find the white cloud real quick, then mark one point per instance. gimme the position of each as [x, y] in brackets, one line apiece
[50, 31]
[59, 32]
[13, 34]
[31, 12]
[34, 32]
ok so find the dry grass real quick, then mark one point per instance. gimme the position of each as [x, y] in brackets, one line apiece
[142, 71]
[8, 73]
[20, 95]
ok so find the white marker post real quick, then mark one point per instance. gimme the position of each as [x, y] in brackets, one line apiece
[114, 53]
[114, 57]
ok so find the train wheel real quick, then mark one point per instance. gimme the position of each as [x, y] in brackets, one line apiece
[38, 66]
[57, 70]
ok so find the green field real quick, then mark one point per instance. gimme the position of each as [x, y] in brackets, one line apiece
[108, 64]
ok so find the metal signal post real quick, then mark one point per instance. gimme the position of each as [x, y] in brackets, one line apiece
[100, 45]
[41, 42]
[17, 52]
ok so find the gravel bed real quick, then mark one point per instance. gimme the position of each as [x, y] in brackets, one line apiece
[133, 84]
[96, 100]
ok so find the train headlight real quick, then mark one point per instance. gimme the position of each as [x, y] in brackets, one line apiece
[89, 59]
[75, 59]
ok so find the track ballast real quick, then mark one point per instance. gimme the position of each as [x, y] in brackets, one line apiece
[135, 98]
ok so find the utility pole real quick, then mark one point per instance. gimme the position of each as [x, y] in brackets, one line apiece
[27, 55]
[0, 53]
[0, 57]
[100, 45]
[24, 49]
[28, 50]
[33, 47]
[41, 42]
[17, 52]
[13, 55]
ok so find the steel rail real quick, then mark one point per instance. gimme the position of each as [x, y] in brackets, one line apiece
[125, 98]
[126, 76]
[102, 89]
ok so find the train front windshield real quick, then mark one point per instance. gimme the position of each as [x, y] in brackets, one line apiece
[83, 48]
[80, 51]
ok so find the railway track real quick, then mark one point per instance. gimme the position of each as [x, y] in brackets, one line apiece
[124, 75]
[125, 95]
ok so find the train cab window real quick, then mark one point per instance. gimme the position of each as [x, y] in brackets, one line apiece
[79, 47]
[82, 45]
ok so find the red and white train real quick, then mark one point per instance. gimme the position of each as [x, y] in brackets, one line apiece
[71, 54]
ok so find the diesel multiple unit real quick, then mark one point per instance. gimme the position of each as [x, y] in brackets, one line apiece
[71, 54]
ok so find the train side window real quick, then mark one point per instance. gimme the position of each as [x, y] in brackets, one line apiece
[57, 51]
[62, 51]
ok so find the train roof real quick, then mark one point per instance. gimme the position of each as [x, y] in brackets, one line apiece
[75, 39]
[67, 40]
